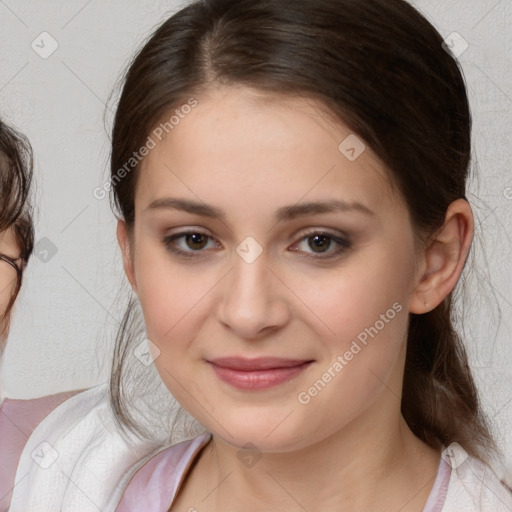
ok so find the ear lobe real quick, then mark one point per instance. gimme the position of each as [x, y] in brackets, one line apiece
[124, 241]
[445, 258]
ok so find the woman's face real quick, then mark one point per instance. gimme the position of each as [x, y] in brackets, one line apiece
[8, 277]
[266, 277]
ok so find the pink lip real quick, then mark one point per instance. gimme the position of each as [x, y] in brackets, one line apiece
[260, 373]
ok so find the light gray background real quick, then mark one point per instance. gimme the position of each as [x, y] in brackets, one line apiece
[69, 308]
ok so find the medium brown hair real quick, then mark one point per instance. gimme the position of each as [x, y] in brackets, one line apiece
[381, 69]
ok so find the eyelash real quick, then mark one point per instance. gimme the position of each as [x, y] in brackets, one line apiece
[342, 242]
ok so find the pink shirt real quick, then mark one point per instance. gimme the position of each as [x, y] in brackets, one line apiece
[18, 418]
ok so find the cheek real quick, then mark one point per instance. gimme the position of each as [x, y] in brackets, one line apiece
[171, 299]
[170, 304]
[175, 306]
[346, 300]
[6, 291]
[4, 300]
[367, 324]
[363, 327]
[7, 288]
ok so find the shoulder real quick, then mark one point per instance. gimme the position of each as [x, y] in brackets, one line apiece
[18, 419]
[474, 485]
[27, 414]
[154, 485]
[79, 442]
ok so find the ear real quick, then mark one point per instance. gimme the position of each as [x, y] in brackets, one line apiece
[124, 241]
[444, 258]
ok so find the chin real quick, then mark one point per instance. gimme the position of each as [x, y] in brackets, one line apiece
[270, 434]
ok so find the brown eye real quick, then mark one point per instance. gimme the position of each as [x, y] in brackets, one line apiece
[196, 240]
[193, 242]
[319, 242]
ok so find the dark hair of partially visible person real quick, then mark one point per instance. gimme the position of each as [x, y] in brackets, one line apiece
[16, 172]
[378, 67]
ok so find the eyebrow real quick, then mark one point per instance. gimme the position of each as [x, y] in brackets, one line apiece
[285, 213]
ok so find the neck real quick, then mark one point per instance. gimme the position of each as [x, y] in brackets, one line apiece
[369, 465]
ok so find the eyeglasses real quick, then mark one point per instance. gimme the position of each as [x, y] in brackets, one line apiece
[13, 262]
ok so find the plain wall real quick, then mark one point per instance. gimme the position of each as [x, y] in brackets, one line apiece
[69, 308]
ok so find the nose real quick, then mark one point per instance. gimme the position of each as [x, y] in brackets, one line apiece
[254, 301]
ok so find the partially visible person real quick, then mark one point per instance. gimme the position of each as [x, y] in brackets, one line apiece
[16, 226]
[17, 417]
[81, 415]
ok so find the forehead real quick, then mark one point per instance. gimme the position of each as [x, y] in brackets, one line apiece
[240, 143]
